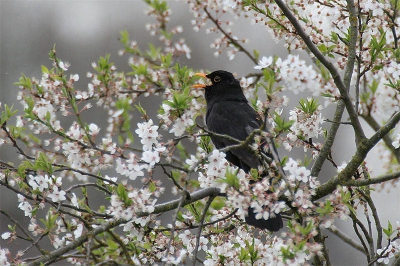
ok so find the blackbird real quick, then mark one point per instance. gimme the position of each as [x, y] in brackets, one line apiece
[229, 113]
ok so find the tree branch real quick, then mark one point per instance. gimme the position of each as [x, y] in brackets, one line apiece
[341, 104]
[376, 180]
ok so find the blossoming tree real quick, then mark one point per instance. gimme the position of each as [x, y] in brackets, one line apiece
[98, 195]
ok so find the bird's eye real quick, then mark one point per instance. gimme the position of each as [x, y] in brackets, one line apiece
[217, 79]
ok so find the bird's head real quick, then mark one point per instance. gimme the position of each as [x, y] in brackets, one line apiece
[220, 85]
[217, 79]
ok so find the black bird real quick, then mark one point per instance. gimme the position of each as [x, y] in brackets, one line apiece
[229, 113]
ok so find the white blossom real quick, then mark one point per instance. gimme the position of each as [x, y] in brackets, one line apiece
[264, 63]
[57, 195]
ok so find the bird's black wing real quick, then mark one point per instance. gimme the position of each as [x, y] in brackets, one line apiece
[236, 119]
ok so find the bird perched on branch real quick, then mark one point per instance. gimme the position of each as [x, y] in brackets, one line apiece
[229, 113]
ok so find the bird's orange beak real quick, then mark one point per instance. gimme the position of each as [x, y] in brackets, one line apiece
[199, 85]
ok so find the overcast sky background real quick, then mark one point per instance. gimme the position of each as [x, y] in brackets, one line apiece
[85, 30]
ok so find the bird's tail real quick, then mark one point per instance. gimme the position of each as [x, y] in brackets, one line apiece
[272, 224]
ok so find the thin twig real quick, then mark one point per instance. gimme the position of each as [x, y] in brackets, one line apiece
[227, 35]
[375, 215]
[183, 197]
[345, 238]
[26, 233]
[203, 216]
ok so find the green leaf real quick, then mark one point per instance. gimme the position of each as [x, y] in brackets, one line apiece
[44, 163]
[183, 153]
[139, 70]
[45, 70]
[328, 95]
[24, 82]
[166, 60]
[256, 54]
[159, 6]
[124, 36]
[179, 103]
[394, 85]
[153, 52]
[232, 179]
[206, 144]
[112, 245]
[244, 255]
[389, 231]
[373, 86]
[123, 195]
[183, 74]
[281, 124]
[218, 203]
[326, 210]
[377, 46]
[50, 221]
[141, 110]
[309, 106]
[7, 114]
[253, 252]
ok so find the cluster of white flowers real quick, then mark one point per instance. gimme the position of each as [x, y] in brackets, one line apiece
[341, 210]
[223, 251]
[24, 205]
[264, 199]
[148, 132]
[184, 120]
[305, 125]
[215, 170]
[189, 241]
[180, 47]
[299, 177]
[45, 112]
[152, 149]
[49, 188]
[181, 123]
[56, 194]
[242, 198]
[296, 172]
[388, 252]
[62, 236]
[3, 257]
[297, 75]
[142, 200]
[130, 168]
